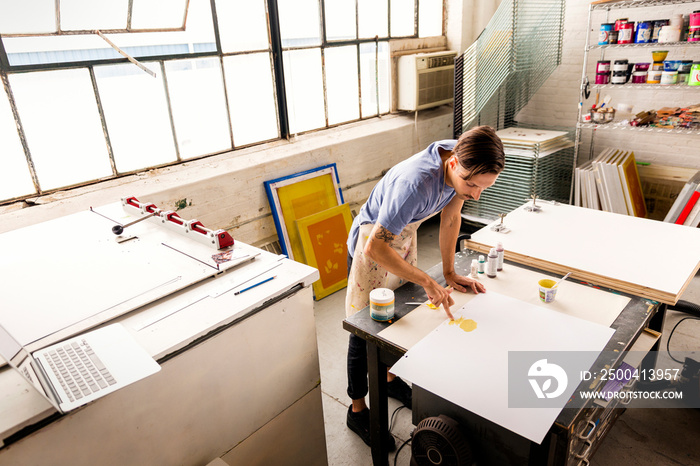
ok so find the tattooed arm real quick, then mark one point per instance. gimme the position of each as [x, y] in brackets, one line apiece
[378, 248]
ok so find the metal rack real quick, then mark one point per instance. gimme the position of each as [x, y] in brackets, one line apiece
[606, 8]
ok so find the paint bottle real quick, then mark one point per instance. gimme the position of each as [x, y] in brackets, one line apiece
[492, 266]
[475, 268]
[381, 304]
[500, 251]
[482, 264]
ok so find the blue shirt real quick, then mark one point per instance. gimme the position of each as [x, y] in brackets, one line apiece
[412, 190]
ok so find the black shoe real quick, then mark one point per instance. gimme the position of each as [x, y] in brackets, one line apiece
[399, 390]
[359, 423]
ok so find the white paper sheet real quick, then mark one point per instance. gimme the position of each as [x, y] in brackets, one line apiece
[470, 369]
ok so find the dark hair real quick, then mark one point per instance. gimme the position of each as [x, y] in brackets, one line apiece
[480, 151]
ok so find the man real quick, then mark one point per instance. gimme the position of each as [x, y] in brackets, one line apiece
[382, 241]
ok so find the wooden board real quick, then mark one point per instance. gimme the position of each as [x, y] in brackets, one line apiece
[647, 258]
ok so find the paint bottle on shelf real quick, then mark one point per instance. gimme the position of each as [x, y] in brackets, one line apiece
[492, 266]
[482, 264]
[500, 252]
[475, 268]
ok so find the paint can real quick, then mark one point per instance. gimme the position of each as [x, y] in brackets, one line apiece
[625, 33]
[602, 78]
[381, 304]
[654, 76]
[669, 34]
[618, 77]
[694, 27]
[604, 35]
[643, 32]
[639, 77]
[619, 23]
[602, 66]
[669, 77]
[694, 78]
[658, 24]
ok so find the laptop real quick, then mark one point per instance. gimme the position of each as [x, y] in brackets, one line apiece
[83, 368]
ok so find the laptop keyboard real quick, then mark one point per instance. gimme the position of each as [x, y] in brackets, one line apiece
[78, 369]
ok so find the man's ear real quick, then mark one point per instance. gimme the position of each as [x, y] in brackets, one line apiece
[453, 162]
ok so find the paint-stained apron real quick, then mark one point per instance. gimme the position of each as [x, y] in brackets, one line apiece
[366, 274]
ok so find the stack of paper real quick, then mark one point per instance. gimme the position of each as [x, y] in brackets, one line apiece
[686, 209]
[610, 182]
[537, 162]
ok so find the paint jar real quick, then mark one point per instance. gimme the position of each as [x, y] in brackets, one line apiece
[602, 78]
[619, 23]
[474, 268]
[658, 24]
[672, 65]
[657, 66]
[639, 77]
[604, 35]
[694, 78]
[654, 76]
[683, 78]
[625, 33]
[618, 77]
[381, 304]
[643, 32]
[659, 55]
[669, 34]
[620, 65]
[685, 66]
[694, 27]
[602, 66]
[614, 34]
[641, 66]
[669, 77]
[546, 291]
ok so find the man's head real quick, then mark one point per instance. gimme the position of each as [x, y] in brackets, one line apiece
[477, 160]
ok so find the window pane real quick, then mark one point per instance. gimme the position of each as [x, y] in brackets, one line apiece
[157, 14]
[89, 14]
[299, 22]
[341, 19]
[368, 58]
[303, 82]
[62, 126]
[15, 179]
[27, 16]
[137, 118]
[251, 98]
[342, 84]
[199, 37]
[373, 17]
[198, 104]
[429, 18]
[242, 25]
[403, 15]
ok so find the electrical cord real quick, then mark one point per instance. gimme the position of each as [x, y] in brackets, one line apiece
[668, 342]
[391, 426]
[396, 456]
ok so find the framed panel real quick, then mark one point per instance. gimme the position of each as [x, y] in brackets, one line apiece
[300, 195]
[324, 238]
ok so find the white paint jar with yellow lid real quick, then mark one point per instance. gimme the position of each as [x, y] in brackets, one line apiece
[381, 304]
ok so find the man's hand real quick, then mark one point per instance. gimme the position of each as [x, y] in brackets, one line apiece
[460, 283]
[440, 296]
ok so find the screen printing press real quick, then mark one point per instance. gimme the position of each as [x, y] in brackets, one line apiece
[203, 307]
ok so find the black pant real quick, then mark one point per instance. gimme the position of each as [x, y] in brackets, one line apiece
[357, 361]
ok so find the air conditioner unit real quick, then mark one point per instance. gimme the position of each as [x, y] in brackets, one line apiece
[426, 80]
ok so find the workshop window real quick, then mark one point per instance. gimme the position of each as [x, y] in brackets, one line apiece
[93, 91]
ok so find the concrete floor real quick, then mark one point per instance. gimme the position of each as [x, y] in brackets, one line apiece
[641, 436]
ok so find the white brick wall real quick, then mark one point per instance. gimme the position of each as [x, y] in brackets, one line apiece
[555, 104]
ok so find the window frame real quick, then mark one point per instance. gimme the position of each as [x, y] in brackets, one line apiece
[275, 50]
